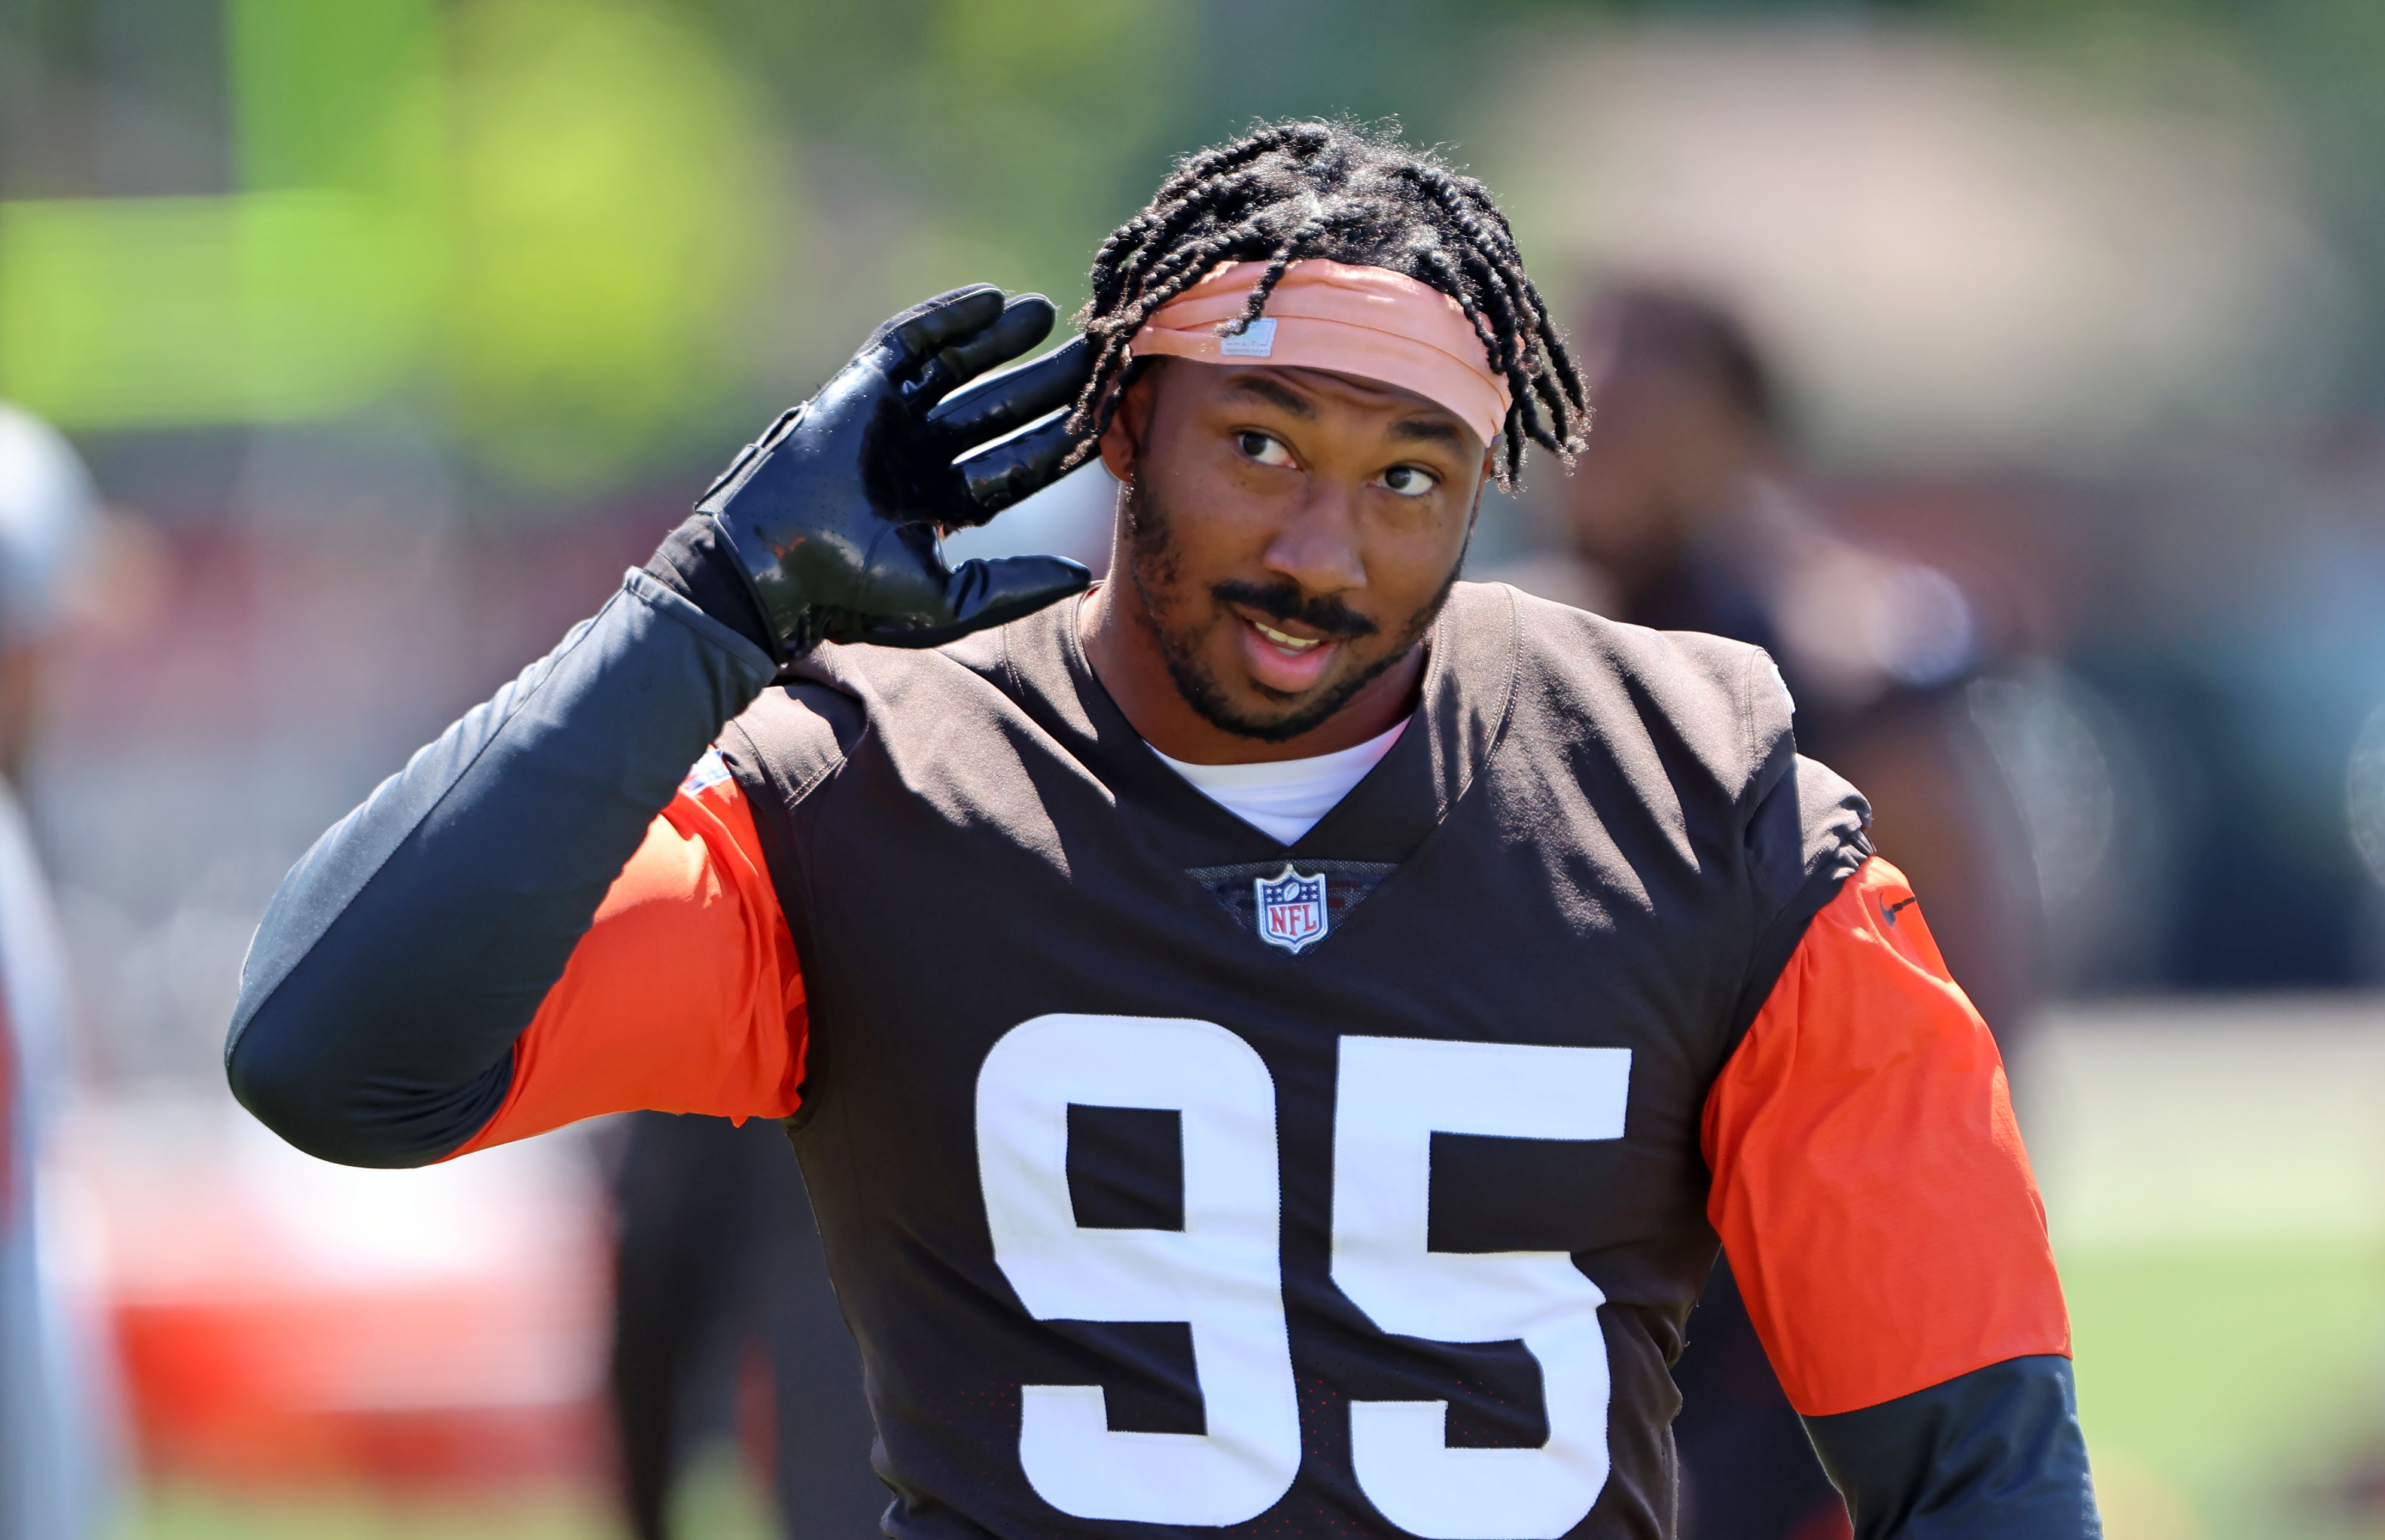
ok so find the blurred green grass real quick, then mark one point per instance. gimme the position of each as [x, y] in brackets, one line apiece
[717, 1501]
[196, 1514]
[2226, 1392]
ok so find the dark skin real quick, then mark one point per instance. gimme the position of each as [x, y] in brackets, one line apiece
[1344, 499]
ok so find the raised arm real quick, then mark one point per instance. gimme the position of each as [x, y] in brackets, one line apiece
[1878, 1208]
[383, 995]
[683, 997]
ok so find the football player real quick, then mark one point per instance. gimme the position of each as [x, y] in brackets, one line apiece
[57, 1441]
[1274, 1040]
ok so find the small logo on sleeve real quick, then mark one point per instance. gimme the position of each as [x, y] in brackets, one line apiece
[706, 773]
[1292, 909]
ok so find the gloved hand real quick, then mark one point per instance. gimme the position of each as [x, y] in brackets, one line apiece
[833, 516]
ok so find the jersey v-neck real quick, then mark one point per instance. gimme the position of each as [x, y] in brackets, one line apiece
[1460, 716]
[1285, 798]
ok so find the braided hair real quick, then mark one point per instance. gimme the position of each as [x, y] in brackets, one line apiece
[1292, 191]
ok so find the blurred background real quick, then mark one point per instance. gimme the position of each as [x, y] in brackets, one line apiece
[392, 331]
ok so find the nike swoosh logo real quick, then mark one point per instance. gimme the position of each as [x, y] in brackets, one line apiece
[1889, 912]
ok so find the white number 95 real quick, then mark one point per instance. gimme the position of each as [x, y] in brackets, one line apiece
[1221, 1274]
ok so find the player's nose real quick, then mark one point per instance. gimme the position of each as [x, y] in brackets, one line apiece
[1317, 547]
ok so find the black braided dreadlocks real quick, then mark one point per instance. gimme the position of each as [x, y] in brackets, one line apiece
[1336, 190]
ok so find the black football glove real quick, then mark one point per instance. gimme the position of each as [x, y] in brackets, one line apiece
[833, 516]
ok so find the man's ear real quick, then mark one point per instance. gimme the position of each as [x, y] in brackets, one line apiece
[1122, 442]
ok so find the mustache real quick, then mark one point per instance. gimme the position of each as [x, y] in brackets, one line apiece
[1324, 612]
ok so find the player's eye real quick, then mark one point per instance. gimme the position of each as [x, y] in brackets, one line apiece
[1264, 448]
[1408, 480]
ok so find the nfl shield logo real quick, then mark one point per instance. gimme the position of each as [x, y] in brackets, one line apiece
[1291, 910]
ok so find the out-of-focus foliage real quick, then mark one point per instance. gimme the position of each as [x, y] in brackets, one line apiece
[1039, 99]
[304, 293]
[338, 96]
[151, 312]
[300, 296]
[544, 215]
[584, 236]
[607, 204]
[946, 141]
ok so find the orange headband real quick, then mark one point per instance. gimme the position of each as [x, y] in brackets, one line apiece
[1366, 321]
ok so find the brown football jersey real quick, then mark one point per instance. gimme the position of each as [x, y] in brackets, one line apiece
[1172, 1177]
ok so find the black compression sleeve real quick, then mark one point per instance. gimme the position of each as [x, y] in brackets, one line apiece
[696, 563]
[1995, 1454]
[382, 996]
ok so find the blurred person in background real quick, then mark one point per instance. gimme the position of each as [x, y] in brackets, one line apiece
[719, 1272]
[55, 1443]
[1682, 517]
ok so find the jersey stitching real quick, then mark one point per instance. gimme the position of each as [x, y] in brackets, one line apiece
[1747, 719]
[831, 763]
[1498, 733]
[1010, 664]
[784, 809]
[1777, 943]
[665, 599]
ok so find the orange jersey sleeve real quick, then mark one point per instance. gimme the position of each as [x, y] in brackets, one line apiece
[683, 997]
[1869, 1183]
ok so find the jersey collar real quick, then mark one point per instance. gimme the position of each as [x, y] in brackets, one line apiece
[1462, 712]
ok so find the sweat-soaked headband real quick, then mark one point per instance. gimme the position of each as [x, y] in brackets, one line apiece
[1366, 321]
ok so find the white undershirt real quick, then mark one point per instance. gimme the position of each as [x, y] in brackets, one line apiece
[1285, 798]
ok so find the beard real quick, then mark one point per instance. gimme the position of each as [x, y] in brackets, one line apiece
[1154, 565]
